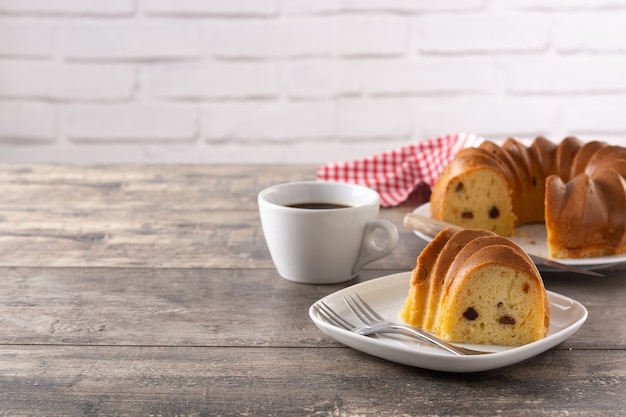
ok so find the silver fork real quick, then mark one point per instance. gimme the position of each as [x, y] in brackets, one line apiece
[373, 323]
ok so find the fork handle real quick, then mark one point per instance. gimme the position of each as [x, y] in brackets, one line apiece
[418, 334]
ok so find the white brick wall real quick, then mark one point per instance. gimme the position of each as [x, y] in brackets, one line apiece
[211, 81]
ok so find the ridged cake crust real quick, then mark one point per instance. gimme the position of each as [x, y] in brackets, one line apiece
[577, 189]
[415, 306]
[477, 287]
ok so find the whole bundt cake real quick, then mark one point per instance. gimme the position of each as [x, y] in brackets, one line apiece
[577, 189]
[473, 286]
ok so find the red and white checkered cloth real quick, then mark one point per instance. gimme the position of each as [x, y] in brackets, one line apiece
[396, 174]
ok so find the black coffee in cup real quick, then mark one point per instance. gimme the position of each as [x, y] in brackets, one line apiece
[318, 206]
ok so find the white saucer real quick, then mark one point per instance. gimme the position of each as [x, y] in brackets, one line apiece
[532, 238]
[388, 294]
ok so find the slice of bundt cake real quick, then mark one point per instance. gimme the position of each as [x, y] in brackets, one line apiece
[485, 291]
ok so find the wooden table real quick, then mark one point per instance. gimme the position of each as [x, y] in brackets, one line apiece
[149, 291]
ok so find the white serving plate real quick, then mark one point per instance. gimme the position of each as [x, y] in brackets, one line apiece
[388, 294]
[532, 238]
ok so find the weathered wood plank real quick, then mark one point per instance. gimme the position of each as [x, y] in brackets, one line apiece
[131, 238]
[221, 307]
[163, 187]
[93, 381]
[151, 216]
[152, 307]
[152, 238]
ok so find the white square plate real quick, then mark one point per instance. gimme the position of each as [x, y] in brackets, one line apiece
[387, 296]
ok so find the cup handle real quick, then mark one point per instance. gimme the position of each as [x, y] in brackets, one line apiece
[370, 251]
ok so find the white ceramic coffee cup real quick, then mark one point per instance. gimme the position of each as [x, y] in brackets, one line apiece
[323, 246]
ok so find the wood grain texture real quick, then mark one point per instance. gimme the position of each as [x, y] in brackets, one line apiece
[145, 187]
[105, 380]
[153, 238]
[147, 216]
[148, 290]
[219, 307]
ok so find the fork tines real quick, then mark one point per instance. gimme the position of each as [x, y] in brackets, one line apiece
[331, 316]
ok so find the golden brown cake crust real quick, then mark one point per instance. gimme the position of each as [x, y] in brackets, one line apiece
[446, 256]
[413, 310]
